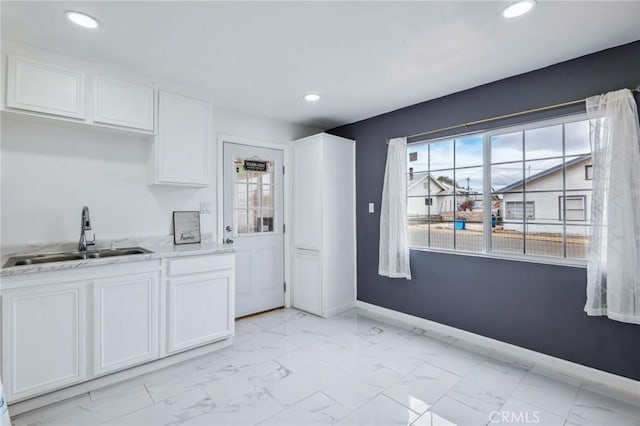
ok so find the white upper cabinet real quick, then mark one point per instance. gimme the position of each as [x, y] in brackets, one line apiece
[41, 87]
[122, 103]
[182, 144]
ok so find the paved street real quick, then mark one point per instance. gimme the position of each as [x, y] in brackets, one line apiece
[468, 240]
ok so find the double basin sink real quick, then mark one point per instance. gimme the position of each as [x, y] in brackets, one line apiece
[36, 259]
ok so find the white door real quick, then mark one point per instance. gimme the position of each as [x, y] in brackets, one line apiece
[253, 221]
[43, 338]
[122, 343]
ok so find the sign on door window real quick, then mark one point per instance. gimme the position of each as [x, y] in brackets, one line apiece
[253, 194]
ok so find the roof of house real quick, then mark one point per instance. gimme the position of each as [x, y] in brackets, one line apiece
[544, 173]
[412, 185]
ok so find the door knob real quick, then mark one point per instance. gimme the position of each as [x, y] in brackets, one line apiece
[228, 241]
[228, 228]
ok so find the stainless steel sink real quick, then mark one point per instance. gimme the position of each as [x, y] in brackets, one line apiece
[36, 259]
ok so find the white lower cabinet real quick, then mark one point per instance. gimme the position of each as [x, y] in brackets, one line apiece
[308, 278]
[60, 328]
[43, 338]
[198, 310]
[125, 320]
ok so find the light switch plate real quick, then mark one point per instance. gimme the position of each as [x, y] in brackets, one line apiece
[371, 208]
[205, 207]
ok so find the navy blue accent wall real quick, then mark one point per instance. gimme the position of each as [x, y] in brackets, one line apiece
[535, 306]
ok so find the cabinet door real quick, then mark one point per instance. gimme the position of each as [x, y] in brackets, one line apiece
[43, 338]
[123, 104]
[183, 140]
[125, 321]
[40, 87]
[199, 310]
[307, 194]
[307, 294]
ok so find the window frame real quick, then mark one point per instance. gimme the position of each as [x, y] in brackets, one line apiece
[562, 206]
[487, 191]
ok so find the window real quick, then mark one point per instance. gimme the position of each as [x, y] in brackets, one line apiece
[519, 191]
[575, 207]
[515, 210]
[253, 210]
[588, 172]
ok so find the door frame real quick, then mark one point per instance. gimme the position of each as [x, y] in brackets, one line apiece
[286, 155]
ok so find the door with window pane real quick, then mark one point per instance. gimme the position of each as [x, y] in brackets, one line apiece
[253, 212]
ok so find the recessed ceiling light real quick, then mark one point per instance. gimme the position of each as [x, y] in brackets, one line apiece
[311, 97]
[82, 19]
[518, 8]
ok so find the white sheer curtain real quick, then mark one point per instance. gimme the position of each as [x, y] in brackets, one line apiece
[394, 233]
[613, 271]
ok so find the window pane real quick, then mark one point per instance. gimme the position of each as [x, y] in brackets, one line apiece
[576, 138]
[575, 171]
[577, 241]
[507, 177]
[441, 234]
[543, 175]
[543, 142]
[470, 185]
[418, 184]
[267, 220]
[508, 238]
[441, 155]
[418, 157]
[419, 231]
[267, 196]
[469, 151]
[253, 221]
[241, 195]
[507, 147]
[240, 221]
[544, 240]
[253, 196]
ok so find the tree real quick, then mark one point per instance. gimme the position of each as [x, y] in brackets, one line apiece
[466, 205]
[447, 180]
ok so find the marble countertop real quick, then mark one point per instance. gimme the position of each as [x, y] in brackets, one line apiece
[160, 247]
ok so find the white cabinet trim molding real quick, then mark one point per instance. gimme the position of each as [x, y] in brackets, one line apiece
[175, 343]
[10, 334]
[144, 92]
[16, 98]
[150, 281]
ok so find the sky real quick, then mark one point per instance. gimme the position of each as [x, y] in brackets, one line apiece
[509, 162]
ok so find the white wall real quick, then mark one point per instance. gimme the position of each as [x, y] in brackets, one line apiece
[50, 169]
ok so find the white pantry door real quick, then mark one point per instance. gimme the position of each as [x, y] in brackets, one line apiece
[253, 222]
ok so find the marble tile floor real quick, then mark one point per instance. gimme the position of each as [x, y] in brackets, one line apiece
[290, 368]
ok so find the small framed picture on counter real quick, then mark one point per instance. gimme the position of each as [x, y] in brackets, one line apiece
[186, 227]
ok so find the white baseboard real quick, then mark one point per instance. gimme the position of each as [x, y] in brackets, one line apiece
[338, 309]
[23, 406]
[619, 383]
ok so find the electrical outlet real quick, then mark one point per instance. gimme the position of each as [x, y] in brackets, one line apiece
[205, 207]
[371, 208]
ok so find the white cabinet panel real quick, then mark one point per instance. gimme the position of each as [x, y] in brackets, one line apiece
[199, 310]
[307, 294]
[43, 338]
[125, 321]
[40, 87]
[307, 194]
[324, 224]
[123, 104]
[182, 144]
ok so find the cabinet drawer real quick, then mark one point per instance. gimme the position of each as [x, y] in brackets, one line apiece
[199, 264]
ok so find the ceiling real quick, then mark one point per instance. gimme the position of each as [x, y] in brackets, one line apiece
[363, 58]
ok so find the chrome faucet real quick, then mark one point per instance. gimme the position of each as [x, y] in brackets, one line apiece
[85, 226]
